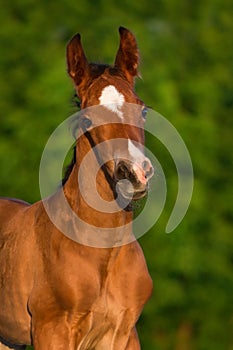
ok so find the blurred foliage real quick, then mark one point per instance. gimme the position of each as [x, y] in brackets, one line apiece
[186, 64]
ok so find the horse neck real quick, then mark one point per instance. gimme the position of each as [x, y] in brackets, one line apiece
[83, 181]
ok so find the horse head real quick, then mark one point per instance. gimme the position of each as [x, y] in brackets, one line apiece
[111, 111]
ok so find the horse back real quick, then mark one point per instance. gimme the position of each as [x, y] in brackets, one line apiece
[9, 207]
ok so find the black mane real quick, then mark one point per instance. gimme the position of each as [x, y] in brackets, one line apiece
[69, 167]
[77, 103]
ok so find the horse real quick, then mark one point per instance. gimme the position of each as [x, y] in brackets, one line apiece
[55, 292]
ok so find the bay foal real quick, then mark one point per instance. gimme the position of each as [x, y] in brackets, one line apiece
[56, 293]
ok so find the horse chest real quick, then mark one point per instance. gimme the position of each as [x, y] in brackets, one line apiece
[121, 296]
[103, 282]
[122, 283]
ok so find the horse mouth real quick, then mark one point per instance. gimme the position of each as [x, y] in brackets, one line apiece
[139, 194]
[132, 194]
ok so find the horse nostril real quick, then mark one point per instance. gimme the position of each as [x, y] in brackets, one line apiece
[149, 173]
[134, 173]
[148, 169]
[122, 171]
[145, 165]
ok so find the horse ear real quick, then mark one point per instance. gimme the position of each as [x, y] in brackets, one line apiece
[77, 63]
[127, 57]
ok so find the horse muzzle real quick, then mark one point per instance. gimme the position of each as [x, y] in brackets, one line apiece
[132, 178]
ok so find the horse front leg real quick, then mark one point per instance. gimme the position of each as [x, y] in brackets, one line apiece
[125, 336]
[51, 337]
[133, 343]
[61, 333]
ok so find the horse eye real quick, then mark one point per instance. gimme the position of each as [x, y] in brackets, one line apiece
[86, 123]
[144, 112]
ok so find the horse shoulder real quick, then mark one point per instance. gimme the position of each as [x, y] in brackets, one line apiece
[65, 274]
[130, 282]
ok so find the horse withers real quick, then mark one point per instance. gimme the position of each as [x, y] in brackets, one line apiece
[55, 292]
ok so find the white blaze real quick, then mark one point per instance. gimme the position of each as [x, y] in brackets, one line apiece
[135, 152]
[138, 158]
[112, 99]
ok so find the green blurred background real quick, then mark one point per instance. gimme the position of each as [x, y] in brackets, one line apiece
[186, 65]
